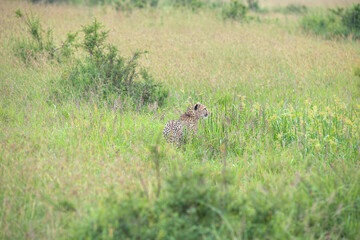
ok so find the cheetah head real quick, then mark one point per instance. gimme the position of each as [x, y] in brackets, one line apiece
[200, 110]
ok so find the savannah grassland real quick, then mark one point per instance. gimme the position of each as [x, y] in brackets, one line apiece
[284, 125]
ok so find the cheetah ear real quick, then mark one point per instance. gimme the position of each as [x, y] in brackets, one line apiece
[196, 106]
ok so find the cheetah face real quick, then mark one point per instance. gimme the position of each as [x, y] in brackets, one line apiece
[201, 110]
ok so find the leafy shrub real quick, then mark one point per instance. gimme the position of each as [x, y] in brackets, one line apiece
[107, 74]
[234, 10]
[103, 72]
[87, 2]
[123, 6]
[253, 5]
[192, 4]
[192, 201]
[351, 19]
[96, 2]
[197, 205]
[190, 207]
[336, 22]
[130, 218]
[128, 5]
[328, 25]
[41, 42]
[297, 9]
[139, 3]
[154, 3]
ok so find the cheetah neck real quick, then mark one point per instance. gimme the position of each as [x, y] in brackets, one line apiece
[188, 118]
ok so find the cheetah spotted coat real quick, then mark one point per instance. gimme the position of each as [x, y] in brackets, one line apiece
[175, 130]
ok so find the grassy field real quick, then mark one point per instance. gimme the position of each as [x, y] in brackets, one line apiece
[284, 124]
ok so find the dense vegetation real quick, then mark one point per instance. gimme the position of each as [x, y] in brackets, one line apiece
[337, 22]
[86, 90]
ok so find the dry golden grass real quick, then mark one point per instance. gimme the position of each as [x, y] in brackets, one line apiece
[202, 51]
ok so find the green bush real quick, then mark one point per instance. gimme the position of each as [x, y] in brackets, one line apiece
[192, 4]
[103, 72]
[106, 74]
[123, 6]
[128, 5]
[234, 10]
[191, 206]
[328, 25]
[253, 5]
[87, 2]
[129, 218]
[41, 43]
[96, 2]
[139, 3]
[336, 22]
[193, 202]
[351, 19]
[297, 9]
[197, 205]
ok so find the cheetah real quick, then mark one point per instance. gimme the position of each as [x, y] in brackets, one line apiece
[174, 129]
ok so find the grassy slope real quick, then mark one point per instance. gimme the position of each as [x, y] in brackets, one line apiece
[76, 152]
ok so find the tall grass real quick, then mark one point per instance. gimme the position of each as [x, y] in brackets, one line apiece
[283, 133]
